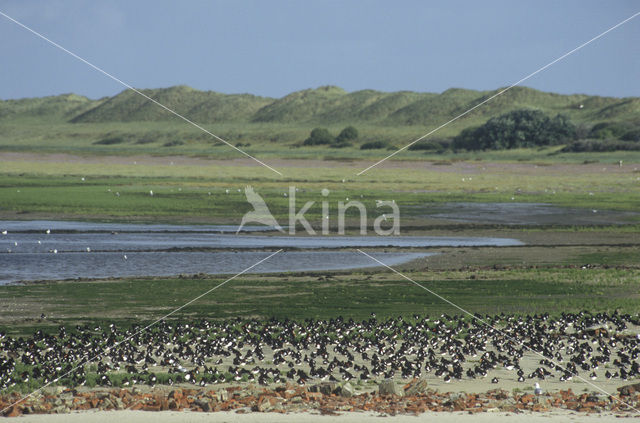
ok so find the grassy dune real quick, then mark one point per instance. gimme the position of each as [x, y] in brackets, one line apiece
[129, 124]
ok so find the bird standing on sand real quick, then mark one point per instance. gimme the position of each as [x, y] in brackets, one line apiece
[537, 390]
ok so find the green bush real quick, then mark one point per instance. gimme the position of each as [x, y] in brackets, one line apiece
[347, 134]
[319, 136]
[110, 141]
[432, 145]
[633, 135]
[589, 146]
[517, 129]
[145, 140]
[374, 145]
[173, 143]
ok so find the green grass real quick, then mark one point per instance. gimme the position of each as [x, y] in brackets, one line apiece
[298, 297]
[266, 141]
[120, 191]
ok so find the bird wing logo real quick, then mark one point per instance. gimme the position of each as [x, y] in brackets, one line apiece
[260, 212]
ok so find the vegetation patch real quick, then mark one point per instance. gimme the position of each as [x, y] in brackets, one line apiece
[375, 145]
[111, 141]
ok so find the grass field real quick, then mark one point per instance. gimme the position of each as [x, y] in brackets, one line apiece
[110, 188]
[263, 140]
[320, 296]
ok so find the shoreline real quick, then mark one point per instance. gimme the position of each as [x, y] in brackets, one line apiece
[326, 399]
[348, 417]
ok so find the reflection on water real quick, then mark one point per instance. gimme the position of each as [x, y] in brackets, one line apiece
[30, 266]
[151, 241]
[59, 225]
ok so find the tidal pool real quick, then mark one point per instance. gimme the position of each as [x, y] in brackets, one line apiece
[64, 250]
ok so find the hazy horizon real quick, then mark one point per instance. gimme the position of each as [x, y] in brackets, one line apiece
[303, 89]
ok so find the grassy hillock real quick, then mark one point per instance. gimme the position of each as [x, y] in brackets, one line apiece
[200, 106]
[326, 105]
[58, 108]
[128, 123]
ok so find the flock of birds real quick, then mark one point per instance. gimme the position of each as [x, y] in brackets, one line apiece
[449, 348]
[47, 232]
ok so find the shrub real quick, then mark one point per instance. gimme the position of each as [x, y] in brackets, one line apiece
[432, 145]
[145, 140]
[588, 146]
[173, 143]
[633, 135]
[517, 129]
[374, 145]
[110, 141]
[347, 134]
[319, 136]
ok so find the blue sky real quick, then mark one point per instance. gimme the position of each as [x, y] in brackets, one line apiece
[272, 48]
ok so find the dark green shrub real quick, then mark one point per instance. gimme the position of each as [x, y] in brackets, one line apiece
[588, 146]
[319, 136]
[145, 140]
[347, 134]
[517, 129]
[173, 143]
[633, 135]
[110, 141]
[374, 145]
[431, 145]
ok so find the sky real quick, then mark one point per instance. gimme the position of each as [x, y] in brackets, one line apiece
[272, 48]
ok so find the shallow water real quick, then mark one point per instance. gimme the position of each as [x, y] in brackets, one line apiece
[35, 266]
[522, 214]
[150, 241]
[67, 226]
[86, 250]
